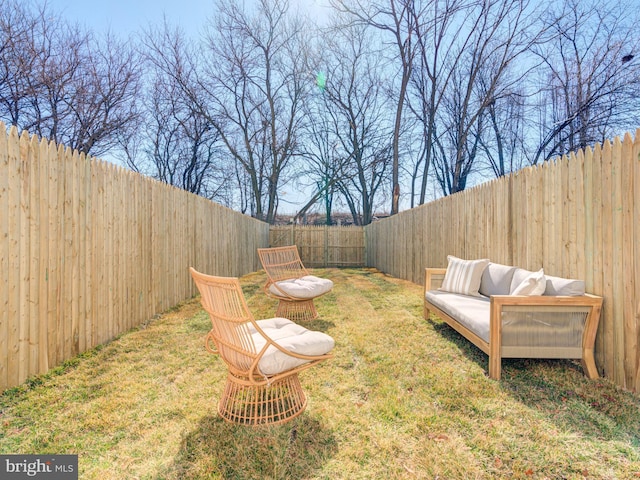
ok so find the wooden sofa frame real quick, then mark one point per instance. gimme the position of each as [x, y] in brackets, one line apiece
[590, 304]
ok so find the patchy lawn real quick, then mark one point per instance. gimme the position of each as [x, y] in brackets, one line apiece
[403, 398]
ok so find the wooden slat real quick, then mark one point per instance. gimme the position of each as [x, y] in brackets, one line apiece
[5, 173]
[607, 258]
[54, 250]
[598, 249]
[34, 233]
[76, 293]
[24, 259]
[626, 257]
[577, 176]
[13, 308]
[69, 255]
[617, 267]
[635, 332]
[43, 255]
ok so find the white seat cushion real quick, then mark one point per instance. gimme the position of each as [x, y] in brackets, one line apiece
[292, 337]
[306, 287]
[472, 312]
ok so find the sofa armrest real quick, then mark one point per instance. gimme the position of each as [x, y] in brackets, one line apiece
[433, 278]
[590, 304]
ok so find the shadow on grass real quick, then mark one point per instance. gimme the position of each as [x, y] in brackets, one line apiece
[318, 324]
[465, 347]
[560, 391]
[217, 449]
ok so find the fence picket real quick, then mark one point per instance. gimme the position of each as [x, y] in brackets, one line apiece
[627, 258]
[5, 187]
[34, 224]
[617, 267]
[634, 333]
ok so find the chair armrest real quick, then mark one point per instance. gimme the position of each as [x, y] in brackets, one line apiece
[281, 293]
[210, 343]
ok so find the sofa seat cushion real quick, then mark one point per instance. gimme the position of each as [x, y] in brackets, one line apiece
[471, 312]
[496, 279]
[292, 337]
[306, 287]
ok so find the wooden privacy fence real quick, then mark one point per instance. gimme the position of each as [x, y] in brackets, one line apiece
[322, 246]
[89, 250]
[576, 216]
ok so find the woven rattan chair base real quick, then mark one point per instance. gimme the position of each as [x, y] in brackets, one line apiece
[247, 404]
[297, 311]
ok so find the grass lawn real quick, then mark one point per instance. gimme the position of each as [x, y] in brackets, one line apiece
[403, 398]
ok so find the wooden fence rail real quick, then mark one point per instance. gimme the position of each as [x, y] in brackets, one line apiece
[576, 216]
[89, 250]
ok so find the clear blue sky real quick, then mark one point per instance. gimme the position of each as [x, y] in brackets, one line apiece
[125, 17]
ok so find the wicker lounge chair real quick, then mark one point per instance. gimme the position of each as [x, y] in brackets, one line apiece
[263, 357]
[289, 282]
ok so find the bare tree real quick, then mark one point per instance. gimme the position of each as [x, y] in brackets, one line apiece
[105, 94]
[358, 112]
[62, 84]
[502, 141]
[590, 77]
[395, 18]
[436, 26]
[180, 147]
[253, 84]
[17, 26]
[491, 37]
[323, 162]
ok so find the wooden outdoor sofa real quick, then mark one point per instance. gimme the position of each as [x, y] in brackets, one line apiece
[509, 312]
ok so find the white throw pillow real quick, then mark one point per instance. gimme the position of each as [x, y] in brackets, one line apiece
[463, 276]
[533, 284]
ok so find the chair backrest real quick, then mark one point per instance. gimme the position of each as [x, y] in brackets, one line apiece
[231, 319]
[282, 263]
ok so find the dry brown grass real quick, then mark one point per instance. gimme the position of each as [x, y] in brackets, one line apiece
[403, 398]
